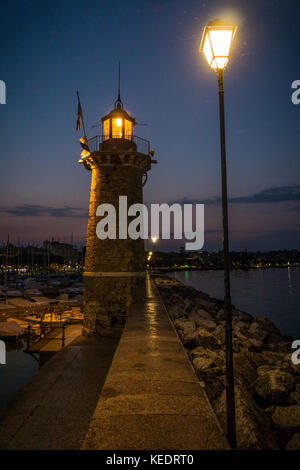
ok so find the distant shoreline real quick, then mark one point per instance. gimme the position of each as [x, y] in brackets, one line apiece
[191, 268]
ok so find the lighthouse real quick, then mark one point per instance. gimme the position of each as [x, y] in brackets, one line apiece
[114, 272]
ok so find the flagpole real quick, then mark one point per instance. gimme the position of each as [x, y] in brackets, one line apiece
[83, 126]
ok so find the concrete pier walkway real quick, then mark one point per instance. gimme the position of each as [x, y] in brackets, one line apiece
[151, 398]
[53, 410]
[138, 393]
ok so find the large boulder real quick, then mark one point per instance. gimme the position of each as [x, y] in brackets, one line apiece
[201, 313]
[248, 337]
[204, 358]
[175, 311]
[282, 347]
[267, 325]
[244, 370]
[201, 363]
[273, 384]
[254, 345]
[294, 443]
[241, 316]
[287, 417]
[220, 331]
[295, 395]
[189, 307]
[204, 319]
[214, 380]
[206, 304]
[220, 314]
[201, 336]
[207, 339]
[252, 425]
[209, 325]
[265, 358]
[176, 299]
[256, 331]
[184, 325]
[293, 368]
[263, 329]
[202, 351]
[242, 340]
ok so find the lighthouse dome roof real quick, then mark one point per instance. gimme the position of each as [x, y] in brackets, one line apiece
[118, 112]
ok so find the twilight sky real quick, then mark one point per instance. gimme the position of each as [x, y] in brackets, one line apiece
[51, 49]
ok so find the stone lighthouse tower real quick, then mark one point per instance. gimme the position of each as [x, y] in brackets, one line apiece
[114, 271]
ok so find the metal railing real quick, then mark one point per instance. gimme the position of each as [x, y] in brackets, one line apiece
[142, 145]
[39, 331]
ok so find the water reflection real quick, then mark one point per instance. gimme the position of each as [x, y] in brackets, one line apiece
[290, 281]
[274, 293]
[19, 368]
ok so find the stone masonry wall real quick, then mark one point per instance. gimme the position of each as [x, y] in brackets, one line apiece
[107, 299]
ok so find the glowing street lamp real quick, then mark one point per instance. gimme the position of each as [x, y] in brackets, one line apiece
[216, 46]
[216, 43]
[154, 240]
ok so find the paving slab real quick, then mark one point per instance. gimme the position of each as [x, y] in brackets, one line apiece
[54, 409]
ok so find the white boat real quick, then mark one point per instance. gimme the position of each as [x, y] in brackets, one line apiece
[71, 290]
[4, 307]
[13, 293]
[44, 301]
[19, 302]
[63, 296]
[10, 329]
[30, 283]
[32, 293]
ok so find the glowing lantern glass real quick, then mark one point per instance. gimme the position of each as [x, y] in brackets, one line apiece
[117, 128]
[106, 129]
[216, 43]
[128, 129]
[118, 124]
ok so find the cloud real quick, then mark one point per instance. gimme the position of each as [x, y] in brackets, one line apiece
[32, 210]
[271, 195]
[279, 194]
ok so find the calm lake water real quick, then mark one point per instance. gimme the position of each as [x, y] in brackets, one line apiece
[273, 293]
[19, 368]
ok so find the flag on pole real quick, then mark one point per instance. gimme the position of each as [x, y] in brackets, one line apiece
[79, 115]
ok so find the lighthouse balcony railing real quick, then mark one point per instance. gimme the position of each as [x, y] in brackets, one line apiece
[142, 145]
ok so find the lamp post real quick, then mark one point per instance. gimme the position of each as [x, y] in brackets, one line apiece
[216, 45]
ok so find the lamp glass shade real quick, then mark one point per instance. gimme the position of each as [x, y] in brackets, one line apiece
[216, 45]
[117, 128]
[128, 129]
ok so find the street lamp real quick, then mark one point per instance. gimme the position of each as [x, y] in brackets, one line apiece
[216, 46]
[154, 240]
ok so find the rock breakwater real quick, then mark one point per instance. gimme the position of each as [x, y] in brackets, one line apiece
[267, 383]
